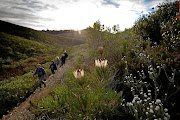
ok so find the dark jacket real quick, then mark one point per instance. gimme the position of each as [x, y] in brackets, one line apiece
[53, 66]
[40, 72]
[63, 58]
[66, 55]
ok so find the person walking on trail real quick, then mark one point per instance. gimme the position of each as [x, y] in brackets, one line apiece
[53, 67]
[66, 55]
[41, 73]
[63, 60]
[57, 62]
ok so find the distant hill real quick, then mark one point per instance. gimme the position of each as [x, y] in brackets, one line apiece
[35, 35]
[68, 33]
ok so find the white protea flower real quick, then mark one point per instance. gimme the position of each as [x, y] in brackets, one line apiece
[165, 110]
[157, 108]
[158, 101]
[135, 98]
[151, 111]
[165, 118]
[151, 106]
[145, 95]
[129, 104]
[166, 114]
[78, 74]
[101, 63]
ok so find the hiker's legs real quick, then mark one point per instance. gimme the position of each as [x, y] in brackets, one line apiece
[62, 63]
[52, 70]
[44, 83]
[40, 81]
[57, 65]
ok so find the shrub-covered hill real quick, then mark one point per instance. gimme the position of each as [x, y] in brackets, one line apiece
[21, 49]
[17, 42]
[34, 35]
[18, 47]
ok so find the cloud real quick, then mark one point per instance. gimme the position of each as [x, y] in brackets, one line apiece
[74, 14]
[24, 12]
[111, 3]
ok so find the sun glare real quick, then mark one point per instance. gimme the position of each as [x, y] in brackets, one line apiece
[79, 31]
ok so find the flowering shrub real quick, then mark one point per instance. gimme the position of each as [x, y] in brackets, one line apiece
[161, 26]
[74, 100]
[140, 81]
[144, 59]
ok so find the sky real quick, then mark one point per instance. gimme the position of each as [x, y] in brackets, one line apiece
[74, 14]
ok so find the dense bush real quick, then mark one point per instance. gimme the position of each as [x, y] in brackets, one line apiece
[16, 89]
[161, 26]
[85, 98]
[143, 55]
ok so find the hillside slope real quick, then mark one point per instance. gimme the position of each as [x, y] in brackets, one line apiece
[35, 35]
[17, 42]
[21, 49]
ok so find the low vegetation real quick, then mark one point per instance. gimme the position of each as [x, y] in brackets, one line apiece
[140, 81]
[21, 50]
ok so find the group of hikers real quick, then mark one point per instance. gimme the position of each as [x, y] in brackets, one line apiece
[40, 71]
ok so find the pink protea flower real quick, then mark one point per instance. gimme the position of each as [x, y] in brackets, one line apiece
[101, 63]
[78, 74]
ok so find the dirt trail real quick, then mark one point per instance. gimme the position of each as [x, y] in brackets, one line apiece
[21, 112]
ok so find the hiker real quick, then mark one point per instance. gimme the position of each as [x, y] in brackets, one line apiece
[52, 67]
[66, 55]
[41, 73]
[57, 62]
[63, 60]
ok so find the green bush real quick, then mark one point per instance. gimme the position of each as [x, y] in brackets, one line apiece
[160, 26]
[49, 58]
[15, 90]
[86, 98]
[143, 58]
[31, 59]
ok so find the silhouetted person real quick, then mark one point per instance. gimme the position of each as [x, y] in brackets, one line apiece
[52, 67]
[65, 53]
[63, 60]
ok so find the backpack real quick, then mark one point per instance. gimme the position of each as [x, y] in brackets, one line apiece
[55, 68]
[66, 55]
[42, 68]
